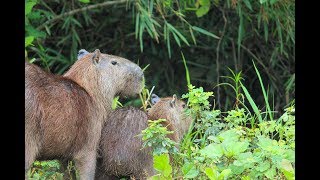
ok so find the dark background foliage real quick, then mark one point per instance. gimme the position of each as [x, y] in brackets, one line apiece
[261, 31]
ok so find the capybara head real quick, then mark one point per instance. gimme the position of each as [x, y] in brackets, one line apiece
[172, 109]
[110, 74]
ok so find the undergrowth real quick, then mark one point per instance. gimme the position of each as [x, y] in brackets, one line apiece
[242, 143]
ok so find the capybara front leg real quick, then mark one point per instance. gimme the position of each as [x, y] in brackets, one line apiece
[86, 164]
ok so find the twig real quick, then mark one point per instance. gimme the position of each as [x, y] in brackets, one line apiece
[107, 3]
[217, 59]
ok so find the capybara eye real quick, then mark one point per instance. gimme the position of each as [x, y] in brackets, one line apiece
[113, 62]
[183, 105]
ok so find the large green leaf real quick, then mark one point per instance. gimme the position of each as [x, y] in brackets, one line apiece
[162, 164]
[29, 6]
[28, 41]
[189, 170]
[212, 151]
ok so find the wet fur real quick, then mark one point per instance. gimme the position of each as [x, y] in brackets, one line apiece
[121, 149]
[64, 114]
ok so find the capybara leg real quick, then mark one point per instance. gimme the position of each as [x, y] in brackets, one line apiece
[86, 164]
[31, 150]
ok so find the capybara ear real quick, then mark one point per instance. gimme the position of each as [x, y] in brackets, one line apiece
[96, 56]
[154, 99]
[173, 101]
[81, 53]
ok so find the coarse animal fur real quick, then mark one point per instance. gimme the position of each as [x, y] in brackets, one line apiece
[121, 149]
[64, 114]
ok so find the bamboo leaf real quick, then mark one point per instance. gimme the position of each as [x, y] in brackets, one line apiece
[179, 34]
[140, 36]
[248, 4]
[192, 35]
[205, 32]
[176, 38]
[137, 25]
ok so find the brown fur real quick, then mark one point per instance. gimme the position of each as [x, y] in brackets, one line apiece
[64, 114]
[121, 148]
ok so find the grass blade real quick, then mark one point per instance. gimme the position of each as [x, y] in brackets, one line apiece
[264, 92]
[187, 70]
[253, 105]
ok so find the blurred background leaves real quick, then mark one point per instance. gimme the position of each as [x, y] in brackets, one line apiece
[213, 35]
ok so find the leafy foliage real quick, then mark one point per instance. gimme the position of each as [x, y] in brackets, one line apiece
[155, 135]
[234, 149]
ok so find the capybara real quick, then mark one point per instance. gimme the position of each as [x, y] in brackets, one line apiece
[120, 151]
[64, 114]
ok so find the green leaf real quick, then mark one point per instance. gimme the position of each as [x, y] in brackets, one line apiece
[28, 41]
[233, 148]
[168, 42]
[115, 102]
[29, 6]
[31, 31]
[236, 169]
[174, 30]
[262, 1]
[177, 39]
[230, 135]
[85, 1]
[263, 166]
[161, 164]
[271, 173]
[212, 151]
[224, 174]
[287, 169]
[189, 170]
[265, 27]
[263, 92]
[186, 68]
[248, 4]
[273, 1]
[211, 173]
[192, 36]
[204, 2]
[253, 105]
[205, 32]
[137, 24]
[141, 28]
[202, 11]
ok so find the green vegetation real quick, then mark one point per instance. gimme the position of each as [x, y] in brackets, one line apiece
[224, 145]
[238, 57]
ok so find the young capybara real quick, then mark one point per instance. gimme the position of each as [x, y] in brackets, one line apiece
[64, 114]
[120, 151]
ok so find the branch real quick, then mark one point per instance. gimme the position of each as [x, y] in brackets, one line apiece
[217, 58]
[107, 3]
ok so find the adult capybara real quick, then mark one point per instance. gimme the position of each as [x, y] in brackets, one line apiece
[121, 152]
[64, 114]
